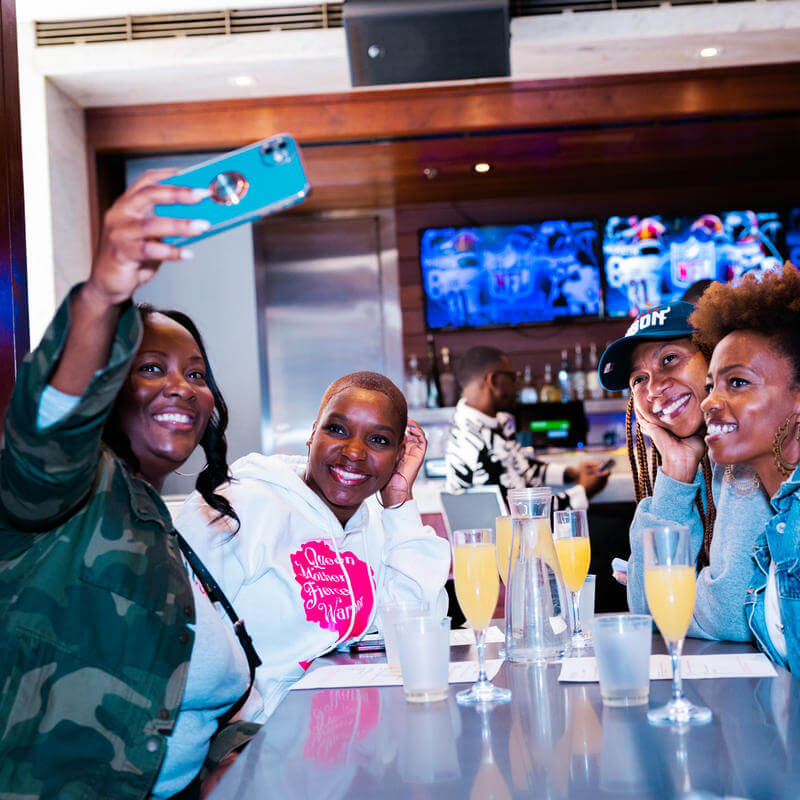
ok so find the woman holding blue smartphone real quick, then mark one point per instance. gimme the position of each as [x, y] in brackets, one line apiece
[117, 668]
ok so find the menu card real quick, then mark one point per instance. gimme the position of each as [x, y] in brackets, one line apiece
[341, 676]
[720, 665]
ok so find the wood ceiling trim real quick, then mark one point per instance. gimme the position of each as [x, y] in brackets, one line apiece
[441, 110]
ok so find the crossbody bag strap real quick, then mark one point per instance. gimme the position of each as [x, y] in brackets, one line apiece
[216, 595]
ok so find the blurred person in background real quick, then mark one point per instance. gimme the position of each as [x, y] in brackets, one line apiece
[482, 448]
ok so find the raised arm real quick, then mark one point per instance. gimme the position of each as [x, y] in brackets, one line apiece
[85, 354]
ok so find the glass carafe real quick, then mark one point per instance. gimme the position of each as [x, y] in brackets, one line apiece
[537, 630]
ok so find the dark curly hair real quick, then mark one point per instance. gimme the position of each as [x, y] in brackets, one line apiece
[373, 382]
[770, 306]
[213, 441]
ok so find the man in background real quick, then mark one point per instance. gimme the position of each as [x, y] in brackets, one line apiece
[482, 448]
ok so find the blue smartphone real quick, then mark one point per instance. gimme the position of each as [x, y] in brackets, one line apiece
[245, 184]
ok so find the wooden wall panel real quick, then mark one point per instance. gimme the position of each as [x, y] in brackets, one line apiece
[466, 108]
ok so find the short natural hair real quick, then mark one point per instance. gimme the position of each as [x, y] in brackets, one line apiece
[769, 306]
[372, 382]
[476, 362]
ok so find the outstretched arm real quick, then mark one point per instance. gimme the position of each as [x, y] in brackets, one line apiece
[128, 256]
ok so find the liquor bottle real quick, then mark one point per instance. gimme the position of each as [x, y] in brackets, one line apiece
[527, 392]
[447, 380]
[593, 385]
[563, 378]
[577, 376]
[415, 385]
[434, 392]
[548, 393]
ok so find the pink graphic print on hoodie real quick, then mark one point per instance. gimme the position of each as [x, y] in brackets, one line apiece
[324, 590]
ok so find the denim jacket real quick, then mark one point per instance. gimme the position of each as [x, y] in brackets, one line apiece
[779, 542]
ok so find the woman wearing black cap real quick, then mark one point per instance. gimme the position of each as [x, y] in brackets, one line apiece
[666, 373]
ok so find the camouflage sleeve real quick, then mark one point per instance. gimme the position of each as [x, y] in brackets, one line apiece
[45, 474]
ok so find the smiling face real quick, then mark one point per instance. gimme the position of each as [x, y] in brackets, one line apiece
[164, 405]
[667, 384]
[354, 448]
[752, 393]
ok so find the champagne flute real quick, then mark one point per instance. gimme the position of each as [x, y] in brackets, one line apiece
[669, 583]
[477, 588]
[571, 532]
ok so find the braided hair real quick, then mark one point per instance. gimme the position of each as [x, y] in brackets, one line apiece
[213, 441]
[645, 469]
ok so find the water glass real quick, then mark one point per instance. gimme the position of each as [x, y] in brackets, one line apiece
[391, 614]
[423, 644]
[622, 645]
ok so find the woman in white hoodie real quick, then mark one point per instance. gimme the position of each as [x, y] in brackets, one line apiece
[324, 540]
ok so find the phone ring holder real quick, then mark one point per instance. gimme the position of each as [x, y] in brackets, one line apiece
[228, 188]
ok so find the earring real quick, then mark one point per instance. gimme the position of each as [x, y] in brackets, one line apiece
[402, 502]
[781, 435]
[189, 474]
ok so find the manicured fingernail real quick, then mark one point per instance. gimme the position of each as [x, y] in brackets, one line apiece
[199, 225]
[186, 254]
[201, 194]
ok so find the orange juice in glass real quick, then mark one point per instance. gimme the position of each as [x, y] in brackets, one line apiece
[669, 584]
[571, 533]
[477, 587]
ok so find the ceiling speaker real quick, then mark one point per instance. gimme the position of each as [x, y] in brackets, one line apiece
[415, 41]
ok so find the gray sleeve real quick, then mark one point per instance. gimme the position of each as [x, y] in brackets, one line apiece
[722, 585]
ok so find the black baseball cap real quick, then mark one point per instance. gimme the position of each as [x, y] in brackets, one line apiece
[668, 321]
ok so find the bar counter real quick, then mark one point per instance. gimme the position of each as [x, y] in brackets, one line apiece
[553, 740]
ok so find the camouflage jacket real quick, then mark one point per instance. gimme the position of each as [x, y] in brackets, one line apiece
[94, 598]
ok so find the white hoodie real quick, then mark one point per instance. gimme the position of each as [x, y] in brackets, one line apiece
[296, 576]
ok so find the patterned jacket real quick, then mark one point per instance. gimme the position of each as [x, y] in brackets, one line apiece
[483, 450]
[94, 598]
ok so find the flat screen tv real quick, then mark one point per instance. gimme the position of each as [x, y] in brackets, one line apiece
[510, 274]
[653, 260]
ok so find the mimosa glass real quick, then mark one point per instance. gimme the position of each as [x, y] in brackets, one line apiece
[477, 587]
[669, 583]
[571, 532]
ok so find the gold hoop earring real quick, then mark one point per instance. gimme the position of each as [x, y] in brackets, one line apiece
[781, 435]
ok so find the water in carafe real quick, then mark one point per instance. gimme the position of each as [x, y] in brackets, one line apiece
[536, 609]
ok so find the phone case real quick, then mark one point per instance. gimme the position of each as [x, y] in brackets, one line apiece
[246, 184]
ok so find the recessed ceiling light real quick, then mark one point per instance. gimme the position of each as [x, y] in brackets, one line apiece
[709, 52]
[242, 80]
[482, 166]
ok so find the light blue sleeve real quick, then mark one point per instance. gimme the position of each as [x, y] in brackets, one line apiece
[672, 501]
[54, 406]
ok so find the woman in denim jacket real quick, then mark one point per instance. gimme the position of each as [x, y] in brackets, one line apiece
[752, 417]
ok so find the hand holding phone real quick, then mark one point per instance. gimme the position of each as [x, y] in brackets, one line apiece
[243, 185]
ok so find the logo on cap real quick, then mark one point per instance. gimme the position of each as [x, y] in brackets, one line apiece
[650, 319]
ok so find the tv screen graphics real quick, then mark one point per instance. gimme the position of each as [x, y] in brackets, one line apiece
[510, 274]
[653, 260]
